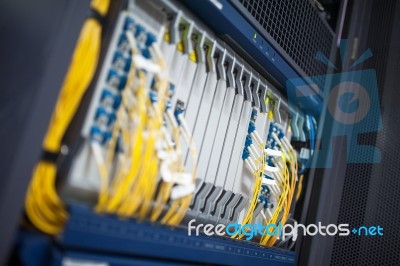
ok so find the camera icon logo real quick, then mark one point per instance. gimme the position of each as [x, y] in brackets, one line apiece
[350, 108]
[348, 114]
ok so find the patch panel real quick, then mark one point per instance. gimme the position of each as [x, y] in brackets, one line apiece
[106, 101]
[181, 127]
[223, 101]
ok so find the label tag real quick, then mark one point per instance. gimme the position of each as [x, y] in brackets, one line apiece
[304, 153]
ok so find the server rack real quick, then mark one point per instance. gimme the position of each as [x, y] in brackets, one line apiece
[318, 191]
[359, 193]
[279, 256]
[275, 59]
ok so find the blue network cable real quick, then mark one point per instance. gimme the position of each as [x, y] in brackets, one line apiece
[311, 131]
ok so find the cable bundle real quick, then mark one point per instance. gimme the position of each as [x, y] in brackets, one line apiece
[275, 172]
[255, 160]
[286, 179]
[311, 128]
[43, 206]
[144, 151]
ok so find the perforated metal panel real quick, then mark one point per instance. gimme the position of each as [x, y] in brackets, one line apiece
[295, 27]
[371, 191]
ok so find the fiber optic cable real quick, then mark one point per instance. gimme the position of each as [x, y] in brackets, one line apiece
[287, 183]
[179, 206]
[311, 129]
[138, 118]
[257, 174]
[165, 187]
[158, 110]
[141, 187]
[43, 206]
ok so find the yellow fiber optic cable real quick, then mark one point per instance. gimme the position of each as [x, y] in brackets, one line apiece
[180, 206]
[134, 140]
[300, 187]
[165, 187]
[151, 172]
[138, 188]
[258, 175]
[126, 174]
[286, 197]
[143, 191]
[43, 206]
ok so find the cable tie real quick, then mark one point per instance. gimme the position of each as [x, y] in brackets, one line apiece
[94, 14]
[49, 156]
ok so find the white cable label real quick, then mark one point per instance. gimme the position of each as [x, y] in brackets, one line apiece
[182, 191]
[75, 262]
[274, 153]
[304, 154]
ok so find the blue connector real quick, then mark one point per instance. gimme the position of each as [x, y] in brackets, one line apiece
[141, 37]
[171, 89]
[248, 141]
[253, 115]
[106, 137]
[120, 62]
[265, 189]
[96, 134]
[150, 39]
[264, 200]
[107, 98]
[178, 110]
[153, 96]
[275, 129]
[139, 30]
[168, 105]
[117, 101]
[271, 143]
[146, 53]
[269, 161]
[252, 127]
[115, 80]
[111, 119]
[104, 117]
[129, 25]
[101, 113]
[268, 177]
[245, 154]
[123, 44]
[272, 128]
[110, 99]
